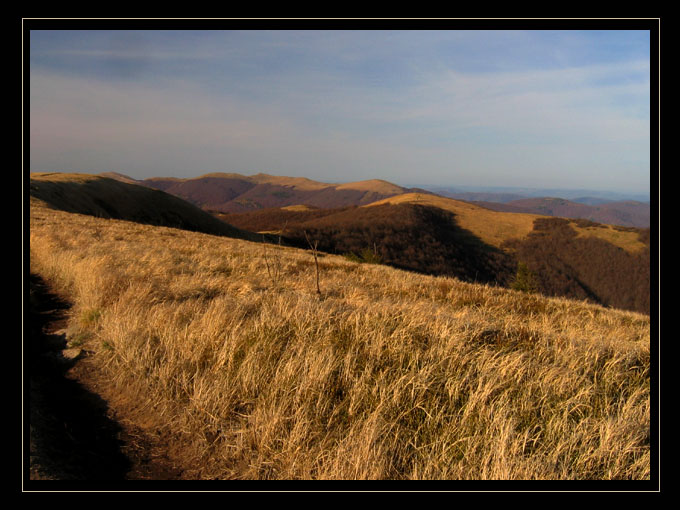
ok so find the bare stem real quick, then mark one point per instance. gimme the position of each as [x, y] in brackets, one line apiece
[316, 259]
[266, 260]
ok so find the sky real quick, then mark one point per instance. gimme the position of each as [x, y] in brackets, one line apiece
[559, 109]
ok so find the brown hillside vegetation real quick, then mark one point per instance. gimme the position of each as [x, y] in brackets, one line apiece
[275, 219]
[224, 347]
[586, 267]
[408, 236]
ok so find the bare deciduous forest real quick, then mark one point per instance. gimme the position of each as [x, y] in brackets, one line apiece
[586, 267]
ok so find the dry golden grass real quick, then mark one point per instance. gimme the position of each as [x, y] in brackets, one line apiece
[626, 240]
[386, 375]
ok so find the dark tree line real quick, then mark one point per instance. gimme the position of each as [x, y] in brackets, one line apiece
[275, 218]
[408, 236]
[585, 267]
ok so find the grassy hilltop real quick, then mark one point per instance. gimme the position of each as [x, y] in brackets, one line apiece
[225, 345]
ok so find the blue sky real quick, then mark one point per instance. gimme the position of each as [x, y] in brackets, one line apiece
[561, 109]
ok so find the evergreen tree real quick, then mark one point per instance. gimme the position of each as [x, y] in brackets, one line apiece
[525, 279]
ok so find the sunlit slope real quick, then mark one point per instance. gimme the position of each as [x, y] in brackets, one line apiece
[495, 227]
[386, 375]
[490, 226]
[232, 193]
[111, 198]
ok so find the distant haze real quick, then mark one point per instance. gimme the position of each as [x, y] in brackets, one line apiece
[514, 193]
[534, 109]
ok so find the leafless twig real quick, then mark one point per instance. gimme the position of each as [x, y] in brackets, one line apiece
[316, 259]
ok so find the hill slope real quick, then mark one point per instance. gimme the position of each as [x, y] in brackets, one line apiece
[228, 192]
[490, 226]
[114, 198]
[440, 236]
[497, 227]
[226, 349]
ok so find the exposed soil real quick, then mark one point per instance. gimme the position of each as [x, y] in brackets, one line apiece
[74, 430]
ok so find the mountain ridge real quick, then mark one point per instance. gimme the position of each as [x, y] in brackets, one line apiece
[232, 192]
[229, 192]
[629, 213]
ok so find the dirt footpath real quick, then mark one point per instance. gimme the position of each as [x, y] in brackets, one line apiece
[71, 431]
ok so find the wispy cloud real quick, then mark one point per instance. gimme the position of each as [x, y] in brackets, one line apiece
[124, 53]
[341, 105]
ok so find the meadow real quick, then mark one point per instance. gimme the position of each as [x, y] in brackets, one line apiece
[226, 345]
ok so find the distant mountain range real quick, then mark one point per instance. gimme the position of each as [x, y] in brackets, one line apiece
[628, 213]
[569, 204]
[235, 193]
[229, 192]
[505, 194]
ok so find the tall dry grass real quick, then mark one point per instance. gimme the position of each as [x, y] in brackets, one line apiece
[386, 375]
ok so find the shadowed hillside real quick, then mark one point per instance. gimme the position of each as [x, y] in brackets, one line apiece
[407, 236]
[276, 219]
[581, 267]
[112, 198]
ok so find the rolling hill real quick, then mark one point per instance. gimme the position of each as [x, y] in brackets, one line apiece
[115, 198]
[627, 213]
[228, 192]
[221, 354]
[610, 208]
[434, 235]
[421, 232]
[497, 227]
